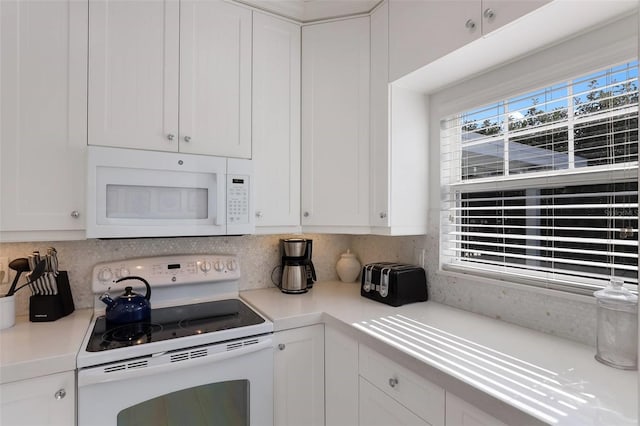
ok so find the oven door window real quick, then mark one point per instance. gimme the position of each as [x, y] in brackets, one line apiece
[223, 403]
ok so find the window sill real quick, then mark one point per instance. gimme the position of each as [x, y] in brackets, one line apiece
[448, 274]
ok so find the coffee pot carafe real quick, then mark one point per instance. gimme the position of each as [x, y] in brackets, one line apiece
[298, 273]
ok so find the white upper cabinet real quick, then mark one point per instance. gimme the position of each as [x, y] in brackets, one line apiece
[170, 76]
[276, 124]
[215, 78]
[497, 13]
[133, 74]
[43, 130]
[335, 126]
[422, 31]
[399, 144]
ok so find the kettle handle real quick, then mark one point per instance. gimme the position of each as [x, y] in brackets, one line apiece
[146, 283]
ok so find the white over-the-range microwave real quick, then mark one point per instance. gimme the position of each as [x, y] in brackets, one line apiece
[134, 193]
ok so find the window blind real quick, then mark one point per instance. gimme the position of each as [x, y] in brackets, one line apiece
[543, 187]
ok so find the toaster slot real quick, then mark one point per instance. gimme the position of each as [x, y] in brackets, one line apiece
[384, 282]
[368, 273]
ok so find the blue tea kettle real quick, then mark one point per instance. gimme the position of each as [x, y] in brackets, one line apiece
[129, 306]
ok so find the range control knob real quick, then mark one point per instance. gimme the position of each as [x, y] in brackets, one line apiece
[218, 266]
[105, 275]
[205, 266]
[122, 272]
[232, 265]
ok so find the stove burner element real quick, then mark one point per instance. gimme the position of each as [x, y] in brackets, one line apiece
[204, 325]
[131, 332]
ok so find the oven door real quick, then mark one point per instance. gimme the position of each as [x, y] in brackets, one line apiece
[222, 384]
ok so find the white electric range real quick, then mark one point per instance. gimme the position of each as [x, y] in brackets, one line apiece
[204, 357]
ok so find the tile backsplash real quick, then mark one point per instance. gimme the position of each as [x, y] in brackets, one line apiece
[258, 255]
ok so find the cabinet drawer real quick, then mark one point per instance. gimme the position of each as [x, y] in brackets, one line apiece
[417, 394]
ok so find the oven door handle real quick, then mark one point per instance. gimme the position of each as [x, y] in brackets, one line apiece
[168, 361]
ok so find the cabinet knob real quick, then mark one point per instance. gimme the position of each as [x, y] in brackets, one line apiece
[306, 214]
[60, 394]
[187, 138]
[171, 136]
[383, 215]
[470, 25]
[393, 382]
[281, 346]
[258, 214]
[489, 14]
[75, 214]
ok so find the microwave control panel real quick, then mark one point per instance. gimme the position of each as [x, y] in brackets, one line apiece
[237, 199]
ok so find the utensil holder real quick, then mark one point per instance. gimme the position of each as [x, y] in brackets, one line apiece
[44, 308]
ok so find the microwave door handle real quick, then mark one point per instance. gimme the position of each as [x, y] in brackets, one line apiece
[222, 201]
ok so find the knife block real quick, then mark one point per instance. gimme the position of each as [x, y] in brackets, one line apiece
[44, 308]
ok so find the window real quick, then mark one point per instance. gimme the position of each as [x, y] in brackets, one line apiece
[542, 188]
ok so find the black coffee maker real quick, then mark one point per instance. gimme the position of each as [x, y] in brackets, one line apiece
[298, 273]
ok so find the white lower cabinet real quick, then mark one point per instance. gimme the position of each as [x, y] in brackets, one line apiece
[379, 409]
[341, 379]
[299, 376]
[43, 401]
[461, 413]
[410, 398]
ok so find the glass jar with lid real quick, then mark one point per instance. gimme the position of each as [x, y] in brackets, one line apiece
[617, 335]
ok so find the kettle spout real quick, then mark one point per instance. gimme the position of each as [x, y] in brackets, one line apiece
[106, 299]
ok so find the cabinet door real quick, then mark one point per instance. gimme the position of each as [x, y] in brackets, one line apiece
[299, 377]
[215, 78]
[379, 409]
[43, 401]
[380, 167]
[399, 151]
[461, 413]
[421, 397]
[335, 123]
[276, 122]
[43, 131]
[421, 31]
[341, 378]
[133, 74]
[496, 13]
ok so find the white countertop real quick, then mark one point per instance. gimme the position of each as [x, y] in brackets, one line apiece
[518, 375]
[33, 349]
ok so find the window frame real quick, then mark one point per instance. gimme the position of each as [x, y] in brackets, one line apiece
[613, 42]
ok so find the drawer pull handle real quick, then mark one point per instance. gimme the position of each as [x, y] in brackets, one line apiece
[281, 346]
[393, 382]
[60, 394]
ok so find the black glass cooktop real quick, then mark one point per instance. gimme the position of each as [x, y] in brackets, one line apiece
[173, 322]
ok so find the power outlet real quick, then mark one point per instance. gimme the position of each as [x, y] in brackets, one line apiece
[4, 270]
[419, 255]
